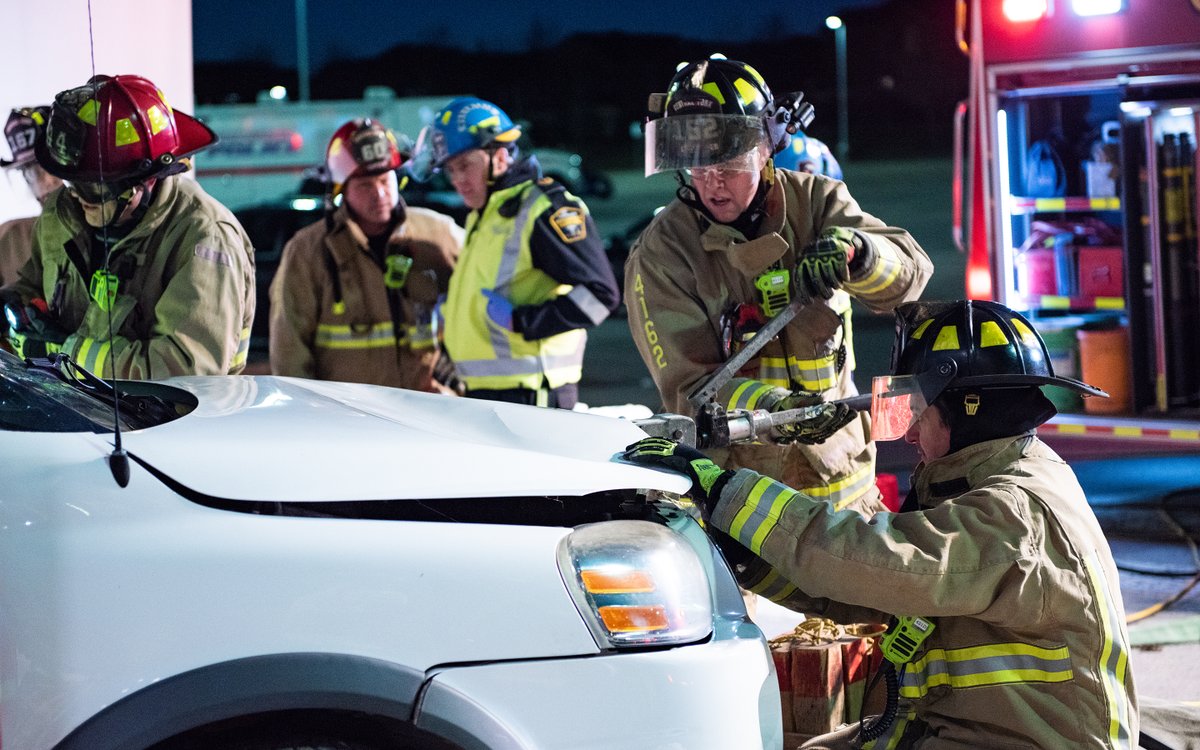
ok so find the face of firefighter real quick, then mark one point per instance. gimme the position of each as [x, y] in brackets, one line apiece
[468, 173]
[100, 214]
[371, 200]
[726, 193]
[929, 434]
[40, 182]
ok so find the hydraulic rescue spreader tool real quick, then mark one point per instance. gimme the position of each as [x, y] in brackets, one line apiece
[716, 427]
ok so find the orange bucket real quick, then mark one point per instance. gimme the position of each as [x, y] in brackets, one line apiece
[1104, 363]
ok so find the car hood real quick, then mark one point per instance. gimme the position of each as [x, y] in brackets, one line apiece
[288, 439]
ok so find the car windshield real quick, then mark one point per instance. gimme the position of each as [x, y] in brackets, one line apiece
[34, 400]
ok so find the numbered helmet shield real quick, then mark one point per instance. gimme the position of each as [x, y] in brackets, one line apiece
[118, 129]
[363, 147]
[21, 132]
[735, 143]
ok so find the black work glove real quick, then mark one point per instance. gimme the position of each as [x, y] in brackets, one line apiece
[684, 459]
[34, 321]
[825, 265]
[816, 430]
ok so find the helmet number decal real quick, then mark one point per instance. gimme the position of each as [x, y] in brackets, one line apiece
[570, 223]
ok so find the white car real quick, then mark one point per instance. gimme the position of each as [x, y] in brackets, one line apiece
[294, 563]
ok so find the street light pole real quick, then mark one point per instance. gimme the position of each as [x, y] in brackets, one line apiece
[302, 47]
[839, 38]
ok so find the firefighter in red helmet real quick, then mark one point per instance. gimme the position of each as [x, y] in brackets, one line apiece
[355, 297]
[129, 247]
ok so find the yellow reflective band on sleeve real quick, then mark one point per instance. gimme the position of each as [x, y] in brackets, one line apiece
[345, 337]
[884, 273]
[809, 374]
[747, 394]
[846, 490]
[774, 587]
[124, 133]
[891, 739]
[992, 664]
[947, 339]
[1114, 659]
[760, 513]
[991, 335]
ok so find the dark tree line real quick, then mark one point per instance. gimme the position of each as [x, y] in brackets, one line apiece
[905, 76]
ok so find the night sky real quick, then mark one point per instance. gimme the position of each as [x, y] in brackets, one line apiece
[226, 30]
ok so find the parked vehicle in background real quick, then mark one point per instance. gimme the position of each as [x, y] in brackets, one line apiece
[299, 563]
[266, 147]
[1076, 204]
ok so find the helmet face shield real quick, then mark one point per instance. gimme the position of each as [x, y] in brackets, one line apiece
[896, 404]
[428, 154]
[732, 142]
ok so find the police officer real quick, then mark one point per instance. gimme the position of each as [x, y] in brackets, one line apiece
[996, 547]
[737, 245]
[533, 274]
[16, 236]
[355, 296]
[130, 247]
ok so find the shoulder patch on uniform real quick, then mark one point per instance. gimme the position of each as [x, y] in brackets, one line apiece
[219, 257]
[570, 223]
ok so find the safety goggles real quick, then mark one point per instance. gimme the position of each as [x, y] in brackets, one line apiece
[896, 404]
[96, 193]
[734, 143]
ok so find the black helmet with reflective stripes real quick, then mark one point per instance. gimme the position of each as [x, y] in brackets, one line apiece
[972, 344]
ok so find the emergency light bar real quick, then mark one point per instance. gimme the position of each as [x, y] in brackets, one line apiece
[1022, 11]
[1097, 7]
[1019, 11]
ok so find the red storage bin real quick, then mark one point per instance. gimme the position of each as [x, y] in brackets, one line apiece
[1036, 273]
[1100, 272]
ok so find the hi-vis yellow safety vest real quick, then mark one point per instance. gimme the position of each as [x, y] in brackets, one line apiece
[496, 256]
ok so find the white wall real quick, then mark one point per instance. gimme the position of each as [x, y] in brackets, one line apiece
[47, 47]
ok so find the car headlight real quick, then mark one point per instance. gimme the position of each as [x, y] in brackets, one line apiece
[636, 583]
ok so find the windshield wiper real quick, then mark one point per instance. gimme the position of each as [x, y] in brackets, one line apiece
[138, 410]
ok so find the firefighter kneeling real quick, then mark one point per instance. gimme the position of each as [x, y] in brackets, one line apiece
[996, 547]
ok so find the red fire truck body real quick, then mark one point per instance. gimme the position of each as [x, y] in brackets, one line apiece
[1076, 202]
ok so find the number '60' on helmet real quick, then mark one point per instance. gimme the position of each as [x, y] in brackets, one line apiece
[363, 147]
[118, 129]
[961, 344]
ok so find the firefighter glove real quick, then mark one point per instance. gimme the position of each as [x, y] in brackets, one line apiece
[829, 418]
[661, 453]
[499, 309]
[34, 321]
[825, 265]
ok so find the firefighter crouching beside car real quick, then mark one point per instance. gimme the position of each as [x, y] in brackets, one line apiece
[533, 274]
[996, 548]
[739, 242]
[355, 297]
[129, 246]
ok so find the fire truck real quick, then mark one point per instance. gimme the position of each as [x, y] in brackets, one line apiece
[1075, 202]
